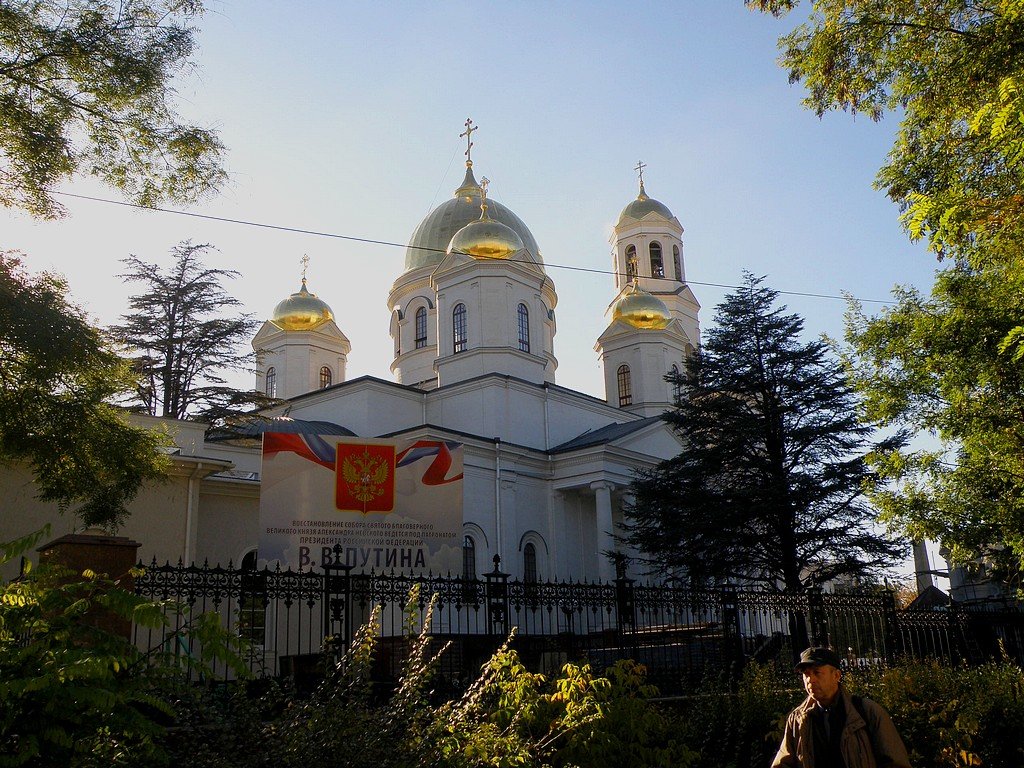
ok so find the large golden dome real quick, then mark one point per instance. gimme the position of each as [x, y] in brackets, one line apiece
[430, 241]
[641, 309]
[486, 238]
[302, 311]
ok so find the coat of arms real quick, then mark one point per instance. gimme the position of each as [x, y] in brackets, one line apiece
[365, 477]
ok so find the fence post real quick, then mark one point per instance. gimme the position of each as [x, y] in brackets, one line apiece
[337, 600]
[625, 601]
[816, 617]
[890, 628]
[497, 600]
[732, 631]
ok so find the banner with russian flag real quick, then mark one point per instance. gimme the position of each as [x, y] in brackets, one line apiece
[371, 504]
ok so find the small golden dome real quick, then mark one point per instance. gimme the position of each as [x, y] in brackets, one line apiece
[302, 311]
[640, 309]
[486, 238]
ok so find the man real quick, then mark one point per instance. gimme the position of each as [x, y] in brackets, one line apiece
[832, 729]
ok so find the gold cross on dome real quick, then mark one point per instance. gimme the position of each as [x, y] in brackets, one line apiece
[484, 182]
[468, 134]
[640, 165]
[305, 265]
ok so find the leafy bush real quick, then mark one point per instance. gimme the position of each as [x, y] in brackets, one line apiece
[75, 694]
[955, 717]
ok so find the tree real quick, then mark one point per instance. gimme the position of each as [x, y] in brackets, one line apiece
[948, 364]
[182, 344]
[57, 375]
[770, 483]
[85, 86]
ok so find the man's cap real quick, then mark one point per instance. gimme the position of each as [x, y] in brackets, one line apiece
[813, 657]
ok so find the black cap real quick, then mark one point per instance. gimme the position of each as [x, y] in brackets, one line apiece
[814, 657]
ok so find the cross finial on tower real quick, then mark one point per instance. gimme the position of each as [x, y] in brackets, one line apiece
[305, 265]
[468, 134]
[484, 182]
[640, 165]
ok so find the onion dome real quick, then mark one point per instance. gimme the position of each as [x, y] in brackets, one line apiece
[486, 238]
[302, 311]
[641, 309]
[644, 206]
[429, 243]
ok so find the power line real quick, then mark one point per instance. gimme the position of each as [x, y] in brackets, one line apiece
[371, 241]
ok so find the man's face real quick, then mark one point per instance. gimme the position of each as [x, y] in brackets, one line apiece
[821, 682]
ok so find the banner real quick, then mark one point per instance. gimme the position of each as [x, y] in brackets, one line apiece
[371, 504]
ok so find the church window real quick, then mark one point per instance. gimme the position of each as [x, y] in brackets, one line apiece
[677, 387]
[468, 559]
[630, 262]
[657, 264]
[421, 327]
[524, 328]
[530, 563]
[459, 327]
[271, 384]
[325, 377]
[677, 263]
[625, 386]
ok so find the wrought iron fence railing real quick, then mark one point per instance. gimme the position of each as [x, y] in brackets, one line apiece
[680, 633]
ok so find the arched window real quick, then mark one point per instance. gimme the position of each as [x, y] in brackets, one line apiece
[657, 265]
[468, 558]
[271, 388]
[524, 328]
[530, 563]
[459, 327]
[677, 263]
[421, 327]
[630, 262]
[326, 377]
[625, 386]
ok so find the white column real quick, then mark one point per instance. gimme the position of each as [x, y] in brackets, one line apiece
[605, 540]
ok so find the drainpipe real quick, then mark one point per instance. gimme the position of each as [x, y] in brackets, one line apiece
[497, 492]
[547, 438]
[190, 511]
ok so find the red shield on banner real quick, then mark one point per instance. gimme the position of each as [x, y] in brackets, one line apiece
[365, 477]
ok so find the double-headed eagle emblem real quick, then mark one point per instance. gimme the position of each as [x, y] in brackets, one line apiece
[365, 475]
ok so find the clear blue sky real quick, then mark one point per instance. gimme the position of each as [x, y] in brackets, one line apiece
[344, 117]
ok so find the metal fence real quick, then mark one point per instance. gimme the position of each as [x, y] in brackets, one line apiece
[680, 633]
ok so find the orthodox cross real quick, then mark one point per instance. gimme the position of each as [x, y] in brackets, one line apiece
[483, 189]
[640, 165]
[305, 265]
[468, 133]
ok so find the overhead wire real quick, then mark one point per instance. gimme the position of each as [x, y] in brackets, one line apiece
[391, 244]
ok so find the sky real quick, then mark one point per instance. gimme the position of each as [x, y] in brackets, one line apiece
[344, 118]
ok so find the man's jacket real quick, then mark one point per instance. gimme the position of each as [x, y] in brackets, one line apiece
[872, 744]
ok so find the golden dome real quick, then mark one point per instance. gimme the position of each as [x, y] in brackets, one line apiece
[640, 309]
[486, 238]
[302, 311]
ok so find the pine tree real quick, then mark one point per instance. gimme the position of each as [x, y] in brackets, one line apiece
[770, 483]
[181, 343]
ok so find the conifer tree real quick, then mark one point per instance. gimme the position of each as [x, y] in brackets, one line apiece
[770, 483]
[181, 342]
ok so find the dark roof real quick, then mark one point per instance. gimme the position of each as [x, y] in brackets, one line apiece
[931, 599]
[254, 428]
[604, 434]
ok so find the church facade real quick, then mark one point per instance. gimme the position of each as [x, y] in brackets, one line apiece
[473, 327]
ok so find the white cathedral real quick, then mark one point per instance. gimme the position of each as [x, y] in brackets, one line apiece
[473, 322]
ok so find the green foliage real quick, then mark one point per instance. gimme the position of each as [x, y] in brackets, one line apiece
[75, 693]
[741, 728]
[85, 86]
[180, 340]
[953, 717]
[57, 375]
[938, 364]
[771, 482]
[949, 364]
